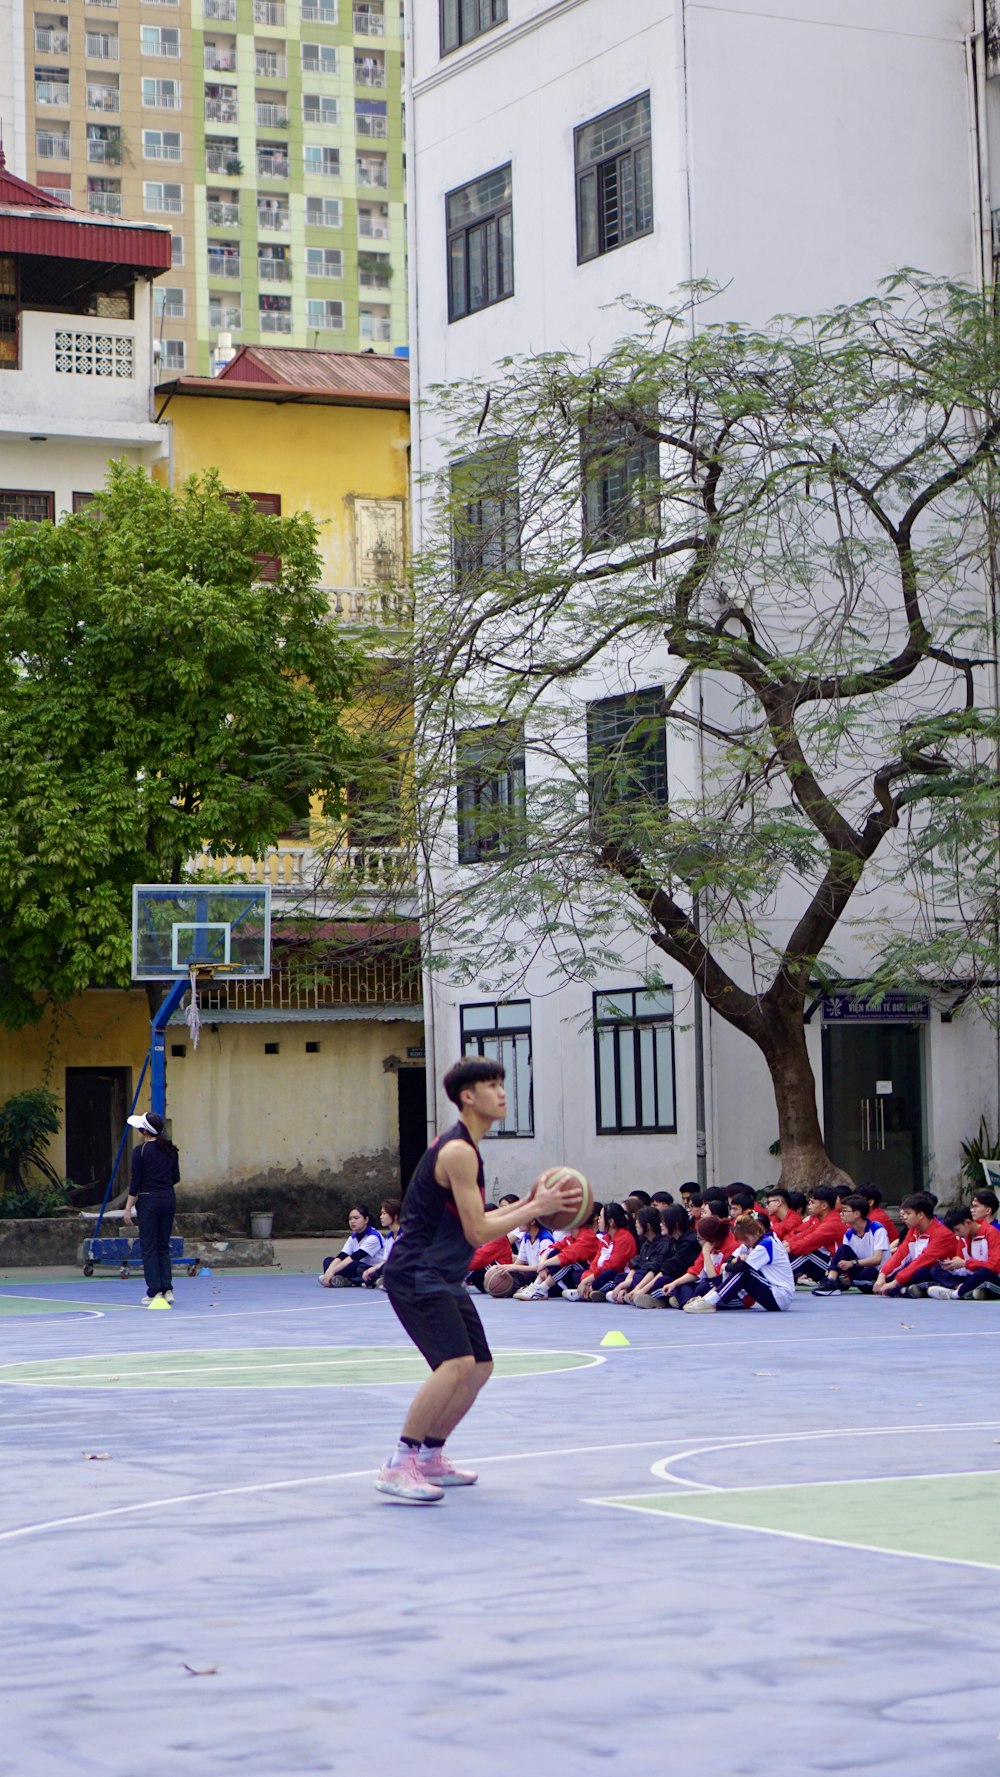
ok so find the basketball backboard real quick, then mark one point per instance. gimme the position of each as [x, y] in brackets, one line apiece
[224, 927]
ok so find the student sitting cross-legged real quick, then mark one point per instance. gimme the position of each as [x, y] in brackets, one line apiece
[758, 1274]
[522, 1269]
[911, 1268]
[615, 1252]
[562, 1264]
[717, 1243]
[810, 1246]
[855, 1263]
[785, 1221]
[645, 1263]
[676, 1251]
[364, 1244]
[976, 1269]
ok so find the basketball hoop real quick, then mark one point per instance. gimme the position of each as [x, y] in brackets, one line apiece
[192, 1016]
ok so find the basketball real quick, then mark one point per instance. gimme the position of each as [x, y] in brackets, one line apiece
[498, 1282]
[579, 1199]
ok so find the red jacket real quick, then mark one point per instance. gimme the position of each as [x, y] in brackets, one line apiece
[817, 1231]
[719, 1255]
[789, 1225]
[879, 1215]
[576, 1249]
[982, 1251]
[495, 1252]
[613, 1255]
[936, 1244]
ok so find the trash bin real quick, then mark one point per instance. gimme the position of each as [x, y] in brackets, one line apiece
[261, 1223]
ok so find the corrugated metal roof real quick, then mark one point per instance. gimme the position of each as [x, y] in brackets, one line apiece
[33, 222]
[335, 373]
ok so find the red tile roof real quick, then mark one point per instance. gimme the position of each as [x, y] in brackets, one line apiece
[332, 373]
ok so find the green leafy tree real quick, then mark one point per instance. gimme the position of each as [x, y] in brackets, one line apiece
[791, 530]
[170, 683]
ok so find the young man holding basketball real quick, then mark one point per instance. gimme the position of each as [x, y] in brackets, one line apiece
[442, 1224]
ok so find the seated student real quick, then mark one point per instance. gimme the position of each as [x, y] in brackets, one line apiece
[691, 1197]
[876, 1212]
[856, 1261]
[910, 1269]
[649, 1238]
[757, 1275]
[975, 1271]
[660, 1201]
[495, 1252]
[522, 1269]
[784, 1219]
[985, 1204]
[717, 1243]
[716, 1204]
[743, 1201]
[388, 1216]
[678, 1251]
[364, 1243]
[565, 1262]
[809, 1248]
[615, 1252]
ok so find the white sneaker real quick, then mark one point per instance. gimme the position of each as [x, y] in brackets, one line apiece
[702, 1304]
[406, 1484]
[169, 1295]
[533, 1292]
[571, 1295]
[941, 1293]
[145, 1302]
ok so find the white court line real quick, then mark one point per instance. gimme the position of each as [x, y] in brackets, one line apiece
[663, 1470]
[68, 1304]
[798, 1536]
[148, 1378]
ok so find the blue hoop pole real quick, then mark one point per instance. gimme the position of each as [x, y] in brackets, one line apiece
[118, 1156]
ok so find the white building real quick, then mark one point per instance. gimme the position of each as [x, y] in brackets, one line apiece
[795, 154]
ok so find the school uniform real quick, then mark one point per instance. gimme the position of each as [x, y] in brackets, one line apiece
[980, 1256]
[494, 1252]
[614, 1256]
[917, 1257]
[856, 1248]
[810, 1247]
[362, 1251]
[702, 1284]
[762, 1273]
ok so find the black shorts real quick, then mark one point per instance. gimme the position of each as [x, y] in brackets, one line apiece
[441, 1325]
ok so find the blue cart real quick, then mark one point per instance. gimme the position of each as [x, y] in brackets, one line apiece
[122, 1252]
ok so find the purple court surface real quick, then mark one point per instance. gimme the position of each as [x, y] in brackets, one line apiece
[738, 1545]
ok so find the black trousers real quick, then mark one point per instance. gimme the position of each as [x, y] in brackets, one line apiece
[741, 1279]
[155, 1215]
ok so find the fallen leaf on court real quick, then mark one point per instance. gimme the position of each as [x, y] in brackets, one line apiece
[763, 1372]
[200, 1671]
[907, 1325]
[835, 1388]
[97, 1456]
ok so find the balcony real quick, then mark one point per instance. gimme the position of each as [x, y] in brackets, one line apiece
[219, 61]
[105, 152]
[272, 117]
[79, 374]
[276, 217]
[368, 72]
[297, 868]
[272, 321]
[222, 111]
[371, 126]
[219, 9]
[369, 24]
[373, 228]
[274, 271]
[272, 166]
[223, 158]
[52, 92]
[391, 606]
[49, 145]
[268, 12]
[49, 41]
[269, 66]
[100, 48]
[373, 175]
[222, 215]
[223, 265]
[104, 203]
[374, 280]
[103, 98]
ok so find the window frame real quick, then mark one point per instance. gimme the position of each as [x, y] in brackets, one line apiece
[606, 451]
[490, 224]
[496, 1037]
[27, 493]
[453, 33]
[475, 539]
[634, 1025]
[269, 506]
[598, 171]
[505, 777]
[656, 793]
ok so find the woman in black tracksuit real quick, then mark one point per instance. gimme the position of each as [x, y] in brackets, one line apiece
[155, 1172]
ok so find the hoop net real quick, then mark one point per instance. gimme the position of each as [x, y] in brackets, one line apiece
[192, 1016]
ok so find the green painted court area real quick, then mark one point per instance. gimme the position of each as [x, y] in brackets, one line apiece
[902, 1516]
[278, 1366]
[54, 1305]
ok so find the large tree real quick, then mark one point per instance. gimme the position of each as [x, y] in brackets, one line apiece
[792, 530]
[170, 683]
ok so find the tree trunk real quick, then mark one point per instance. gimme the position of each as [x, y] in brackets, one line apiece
[804, 1159]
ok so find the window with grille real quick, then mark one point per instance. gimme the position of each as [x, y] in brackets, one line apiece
[328, 315]
[268, 566]
[173, 354]
[160, 40]
[627, 751]
[485, 522]
[621, 468]
[161, 95]
[480, 243]
[634, 1062]
[501, 1031]
[614, 179]
[161, 144]
[168, 300]
[322, 161]
[16, 503]
[319, 58]
[323, 212]
[462, 20]
[225, 314]
[319, 108]
[156, 196]
[177, 249]
[489, 765]
[324, 262]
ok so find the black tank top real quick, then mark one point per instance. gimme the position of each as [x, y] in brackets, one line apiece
[430, 1248]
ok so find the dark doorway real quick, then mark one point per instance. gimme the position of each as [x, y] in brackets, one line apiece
[412, 1120]
[97, 1100]
[873, 1104]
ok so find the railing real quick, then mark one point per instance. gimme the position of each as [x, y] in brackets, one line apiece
[51, 42]
[374, 280]
[296, 867]
[268, 12]
[219, 9]
[316, 64]
[326, 268]
[51, 92]
[314, 12]
[272, 117]
[223, 265]
[226, 320]
[320, 113]
[104, 203]
[273, 321]
[113, 3]
[370, 126]
[274, 271]
[391, 605]
[161, 46]
[51, 147]
[371, 230]
[379, 328]
[324, 166]
[220, 61]
[371, 24]
[276, 219]
[103, 98]
[373, 176]
[368, 74]
[222, 111]
[223, 215]
[380, 978]
[272, 166]
[100, 49]
[108, 153]
[223, 160]
[270, 67]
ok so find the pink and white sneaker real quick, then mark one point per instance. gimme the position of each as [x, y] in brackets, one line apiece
[434, 1466]
[407, 1484]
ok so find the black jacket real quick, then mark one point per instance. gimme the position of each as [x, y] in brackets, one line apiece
[154, 1170]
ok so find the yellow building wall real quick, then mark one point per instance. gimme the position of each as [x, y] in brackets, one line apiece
[319, 459]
